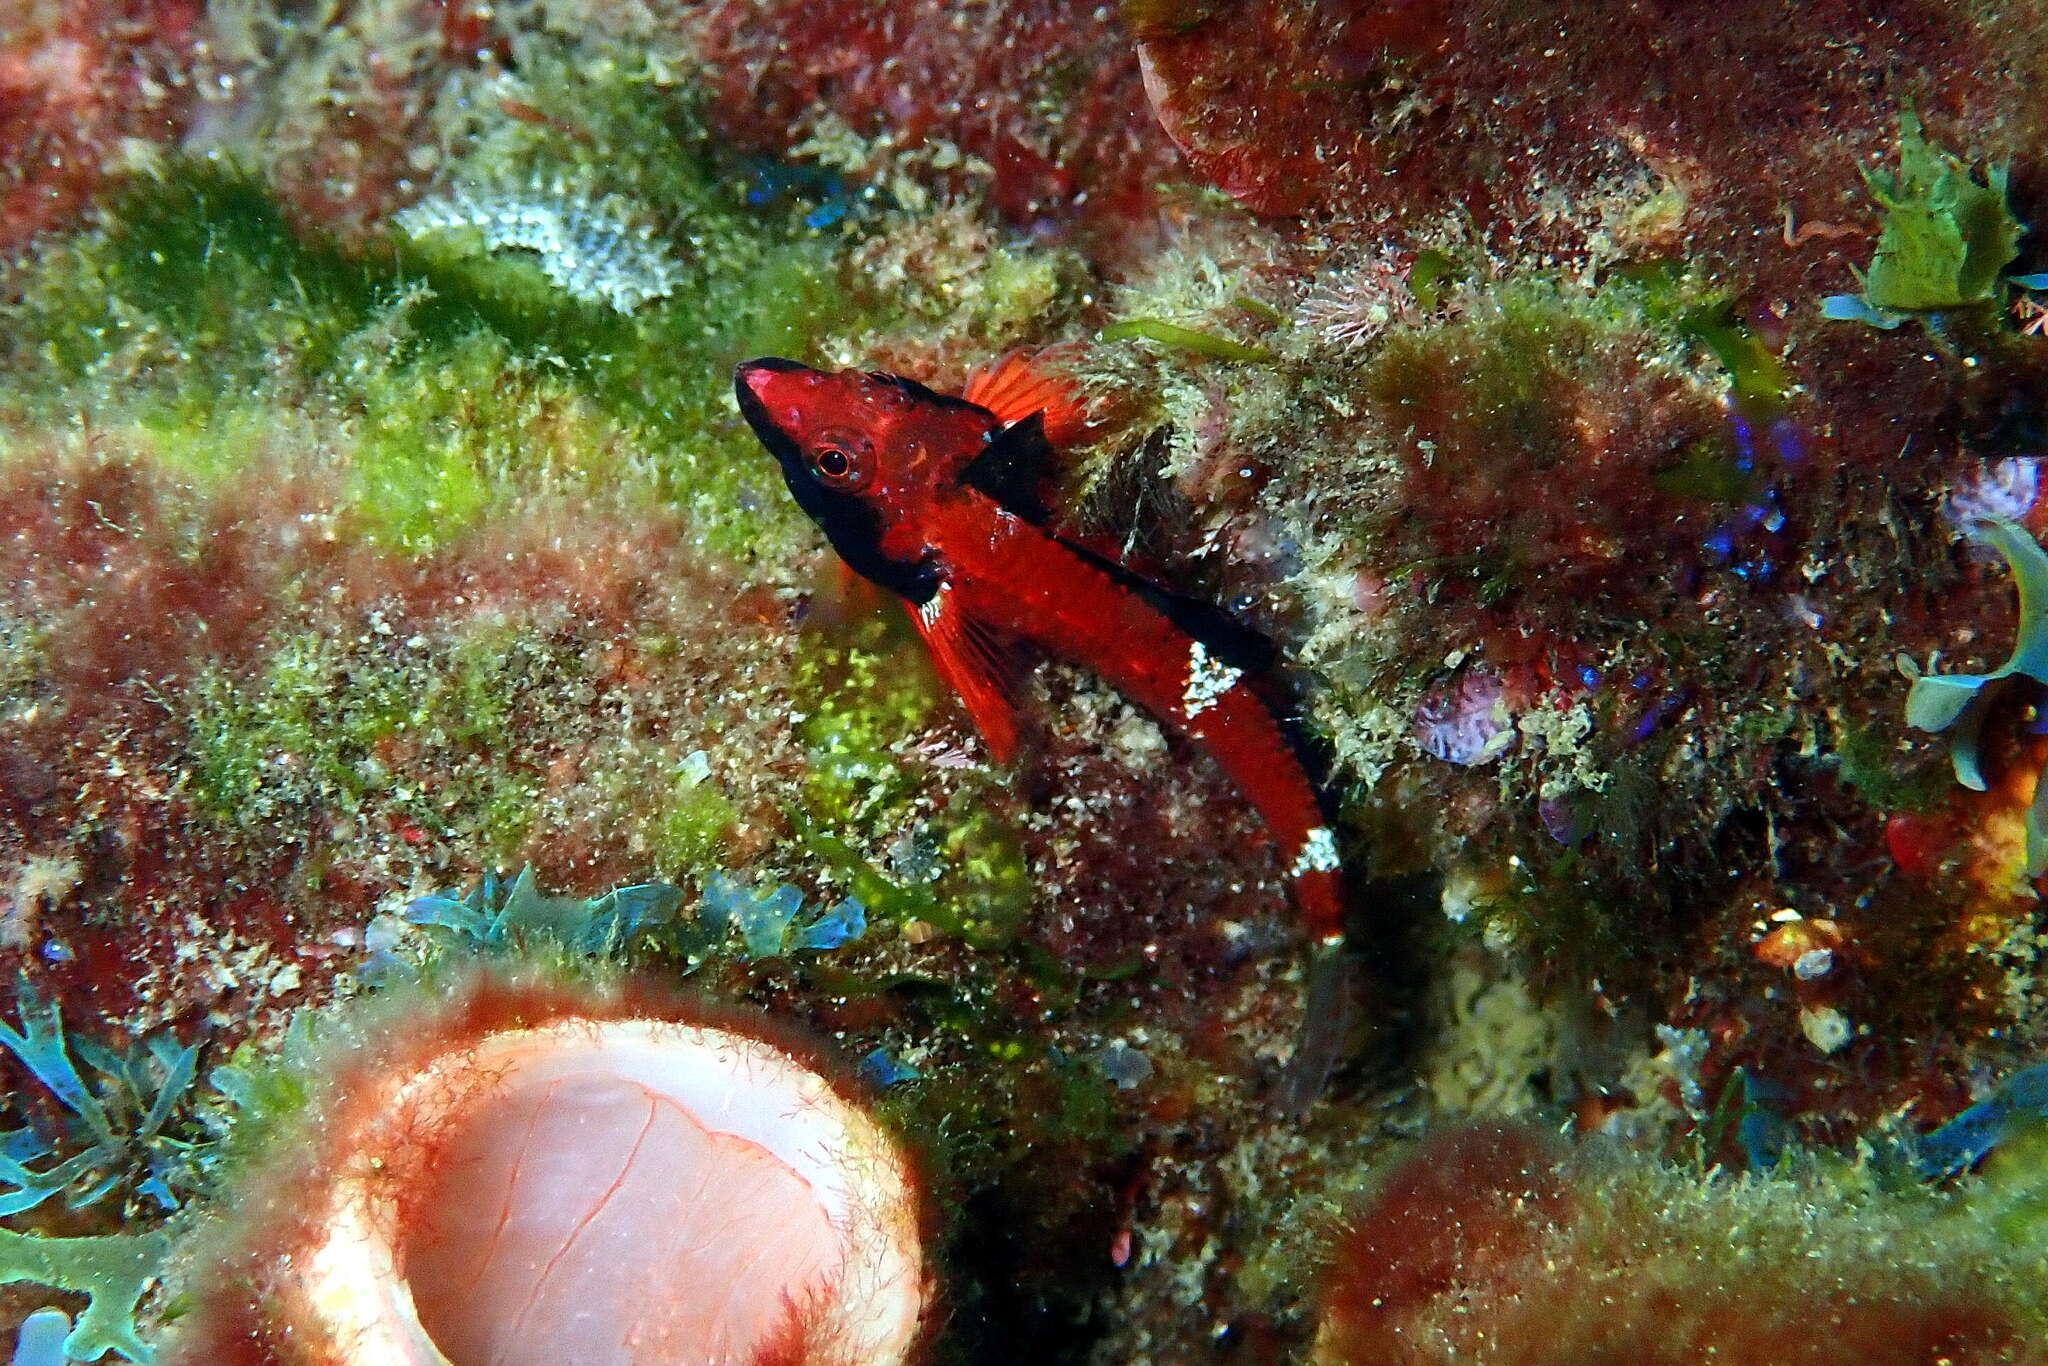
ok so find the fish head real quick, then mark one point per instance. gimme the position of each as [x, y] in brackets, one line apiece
[866, 455]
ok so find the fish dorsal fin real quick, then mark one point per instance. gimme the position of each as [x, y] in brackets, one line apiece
[1015, 469]
[975, 664]
[1015, 385]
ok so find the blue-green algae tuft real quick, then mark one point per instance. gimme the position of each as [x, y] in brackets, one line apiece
[1960, 703]
[113, 1271]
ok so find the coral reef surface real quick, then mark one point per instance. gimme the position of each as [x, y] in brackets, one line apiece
[1622, 421]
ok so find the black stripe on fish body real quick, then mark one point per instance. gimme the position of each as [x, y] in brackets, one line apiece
[855, 530]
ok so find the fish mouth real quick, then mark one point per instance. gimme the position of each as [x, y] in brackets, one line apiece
[752, 382]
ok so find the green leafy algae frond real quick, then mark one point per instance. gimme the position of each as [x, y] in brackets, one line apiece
[113, 1271]
[1186, 339]
[1946, 235]
[1960, 702]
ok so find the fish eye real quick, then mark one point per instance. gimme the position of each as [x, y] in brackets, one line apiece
[839, 467]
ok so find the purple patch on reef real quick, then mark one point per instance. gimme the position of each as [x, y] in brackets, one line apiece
[1467, 723]
[2002, 490]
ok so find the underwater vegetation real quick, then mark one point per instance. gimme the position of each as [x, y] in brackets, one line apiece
[116, 1122]
[1947, 236]
[1497, 1245]
[402, 634]
[113, 1272]
[1961, 702]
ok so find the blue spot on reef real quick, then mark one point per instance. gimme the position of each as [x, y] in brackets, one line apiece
[1967, 1139]
[40, 1340]
[884, 1071]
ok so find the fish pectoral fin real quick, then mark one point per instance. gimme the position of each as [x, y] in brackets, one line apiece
[977, 665]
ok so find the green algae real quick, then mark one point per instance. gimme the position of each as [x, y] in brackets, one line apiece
[1945, 238]
[1961, 703]
[329, 721]
[694, 824]
[196, 288]
[447, 381]
[860, 707]
[1494, 378]
[1868, 760]
[2010, 1196]
[113, 1271]
[1188, 339]
[1946, 235]
[857, 708]
[1432, 276]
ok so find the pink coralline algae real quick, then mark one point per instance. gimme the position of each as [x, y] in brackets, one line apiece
[1046, 94]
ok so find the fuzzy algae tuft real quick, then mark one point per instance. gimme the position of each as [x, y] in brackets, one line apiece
[1500, 1244]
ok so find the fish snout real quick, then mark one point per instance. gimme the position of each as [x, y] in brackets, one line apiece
[754, 378]
[774, 386]
[772, 395]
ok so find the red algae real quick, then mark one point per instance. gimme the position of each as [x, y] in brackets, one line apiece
[1383, 111]
[1045, 93]
[1275, 104]
[1502, 1247]
[146, 601]
[76, 80]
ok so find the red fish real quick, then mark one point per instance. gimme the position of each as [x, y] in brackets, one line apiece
[942, 501]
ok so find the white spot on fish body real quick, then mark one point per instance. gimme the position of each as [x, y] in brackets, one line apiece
[930, 610]
[1208, 680]
[1318, 853]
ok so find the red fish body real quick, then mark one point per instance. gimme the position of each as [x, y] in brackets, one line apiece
[941, 500]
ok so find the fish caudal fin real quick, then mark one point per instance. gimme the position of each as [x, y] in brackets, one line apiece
[973, 664]
[1017, 385]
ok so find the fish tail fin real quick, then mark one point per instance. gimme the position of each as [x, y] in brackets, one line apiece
[1326, 1021]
